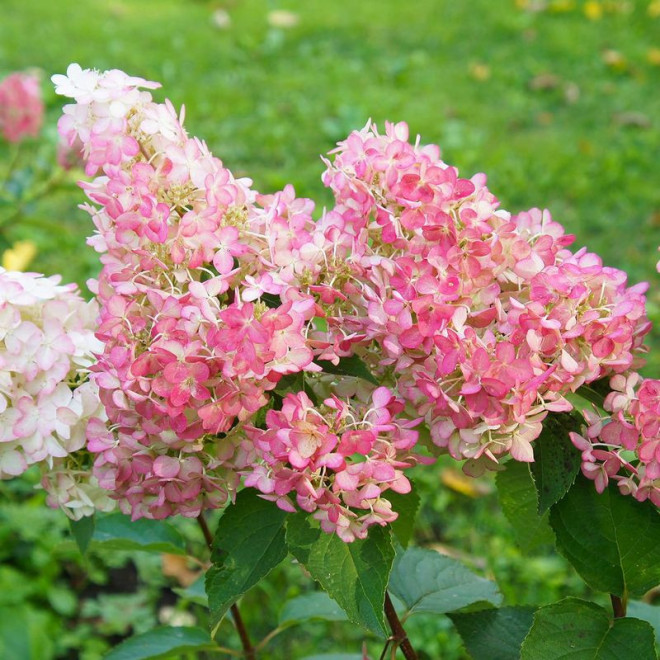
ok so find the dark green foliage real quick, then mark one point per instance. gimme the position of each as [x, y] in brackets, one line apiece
[612, 540]
[581, 630]
[354, 574]
[248, 544]
[118, 532]
[426, 581]
[556, 460]
[519, 501]
[163, 643]
[494, 634]
[406, 506]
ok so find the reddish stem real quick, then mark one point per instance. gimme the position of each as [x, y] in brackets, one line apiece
[618, 606]
[250, 653]
[400, 635]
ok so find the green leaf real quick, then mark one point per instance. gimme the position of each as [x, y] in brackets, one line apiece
[577, 629]
[82, 531]
[293, 383]
[317, 605]
[196, 592]
[165, 642]
[335, 656]
[649, 613]
[519, 502]
[354, 574]
[248, 544]
[24, 634]
[349, 366]
[494, 634]
[556, 460]
[596, 391]
[612, 540]
[118, 532]
[426, 581]
[290, 383]
[406, 506]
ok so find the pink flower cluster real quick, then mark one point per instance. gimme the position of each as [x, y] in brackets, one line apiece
[191, 349]
[337, 460]
[474, 321]
[46, 400]
[21, 107]
[483, 320]
[624, 445]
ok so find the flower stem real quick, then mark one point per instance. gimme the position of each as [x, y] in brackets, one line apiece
[248, 649]
[400, 636]
[618, 606]
[250, 653]
[208, 537]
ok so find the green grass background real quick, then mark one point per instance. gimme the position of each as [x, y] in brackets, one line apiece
[559, 110]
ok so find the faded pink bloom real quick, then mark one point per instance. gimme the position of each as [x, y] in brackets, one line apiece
[21, 107]
[47, 346]
[623, 443]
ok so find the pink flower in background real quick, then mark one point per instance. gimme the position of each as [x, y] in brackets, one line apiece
[21, 107]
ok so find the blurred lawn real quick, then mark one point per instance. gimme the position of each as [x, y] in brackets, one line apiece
[559, 110]
[558, 102]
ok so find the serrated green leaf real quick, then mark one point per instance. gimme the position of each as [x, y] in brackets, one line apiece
[637, 609]
[612, 540]
[556, 460]
[519, 501]
[317, 605]
[494, 634]
[118, 532]
[349, 366]
[426, 581]
[248, 544]
[580, 630]
[407, 507]
[165, 642]
[82, 531]
[354, 574]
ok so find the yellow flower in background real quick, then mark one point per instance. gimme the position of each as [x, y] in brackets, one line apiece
[561, 6]
[654, 9]
[479, 71]
[614, 60]
[593, 10]
[653, 56]
[19, 255]
[460, 483]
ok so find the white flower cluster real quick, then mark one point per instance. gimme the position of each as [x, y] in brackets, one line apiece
[47, 344]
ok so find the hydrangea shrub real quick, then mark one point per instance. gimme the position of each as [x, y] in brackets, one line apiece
[253, 353]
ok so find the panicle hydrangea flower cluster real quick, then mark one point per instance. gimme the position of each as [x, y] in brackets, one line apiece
[473, 320]
[205, 299]
[624, 445]
[336, 460]
[21, 107]
[46, 400]
[483, 320]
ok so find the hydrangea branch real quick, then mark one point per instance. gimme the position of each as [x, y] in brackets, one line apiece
[250, 653]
